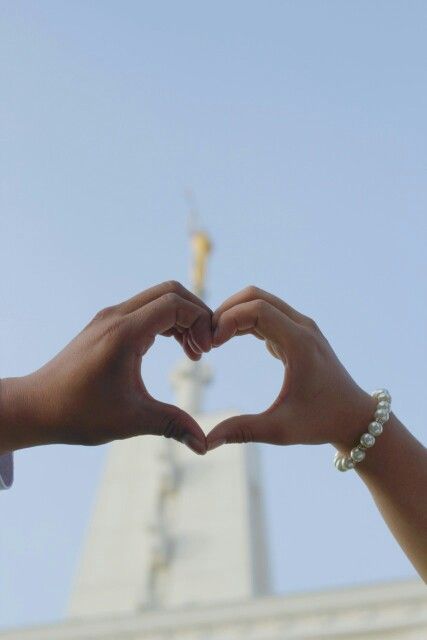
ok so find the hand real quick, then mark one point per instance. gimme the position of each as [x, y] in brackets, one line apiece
[92, 391]
[319, 402]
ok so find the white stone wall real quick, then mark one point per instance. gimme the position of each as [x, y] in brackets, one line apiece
[394, 611]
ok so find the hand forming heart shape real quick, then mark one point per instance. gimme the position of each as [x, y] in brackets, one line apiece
[319, 402]
[92, 391]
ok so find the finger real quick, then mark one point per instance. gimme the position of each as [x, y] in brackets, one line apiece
[147, 296]
[261, 317]
[179, 336]
[192, 342]
[169, 311]
[254, 293]
[252, 332]
[189, 350]
[272, 348]
[171, 422]
[264, 427]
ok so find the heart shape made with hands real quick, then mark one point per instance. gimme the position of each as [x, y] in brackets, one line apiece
[252, 311]
[93, 392]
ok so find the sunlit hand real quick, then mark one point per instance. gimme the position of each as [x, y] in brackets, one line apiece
[92, 391]
[319, 402]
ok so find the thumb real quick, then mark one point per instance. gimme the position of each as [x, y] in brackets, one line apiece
[171, 422]
[260, 427]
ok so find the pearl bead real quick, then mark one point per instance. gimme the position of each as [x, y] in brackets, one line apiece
[339, 460]
[367, 440]
[341, 465]
[381, 415]
[349, 464]
[383, 405]
[375, 429]
[382, 394]
[357, 454]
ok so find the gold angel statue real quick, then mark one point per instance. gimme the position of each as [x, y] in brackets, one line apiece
[201, 247]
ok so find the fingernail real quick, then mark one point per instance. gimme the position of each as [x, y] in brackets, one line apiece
[215, 337]
[194, 444]
[216, 443]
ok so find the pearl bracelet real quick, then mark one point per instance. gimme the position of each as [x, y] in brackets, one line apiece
[368, 439]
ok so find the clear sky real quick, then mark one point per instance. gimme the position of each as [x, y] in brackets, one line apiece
[301, 127]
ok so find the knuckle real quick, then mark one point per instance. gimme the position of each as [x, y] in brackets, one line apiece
[172, 428]
[242, 435]
[107, 312]
[173, 286]
[311, 324]
[251, 291]
[171, 298]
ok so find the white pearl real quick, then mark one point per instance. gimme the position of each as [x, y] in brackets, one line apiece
[349, 464]
[382, 394]
[341, 466]
[340, 462]
[375, 429]
[357, 454]
[367, 440]
[337, 459]
[383, 405]
[381, 415]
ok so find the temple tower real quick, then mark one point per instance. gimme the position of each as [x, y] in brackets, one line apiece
[171, 529]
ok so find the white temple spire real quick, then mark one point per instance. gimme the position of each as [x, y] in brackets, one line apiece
[189, 380]
[172, 529]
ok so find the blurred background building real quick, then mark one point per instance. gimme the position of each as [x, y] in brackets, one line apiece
[177, 550]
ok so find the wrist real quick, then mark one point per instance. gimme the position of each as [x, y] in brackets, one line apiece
[21, 421]
[354, 421]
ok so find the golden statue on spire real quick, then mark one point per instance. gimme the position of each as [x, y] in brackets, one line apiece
[201, 246]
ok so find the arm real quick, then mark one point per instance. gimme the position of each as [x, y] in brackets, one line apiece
[395, 472]
[92, 391]
[319, 402]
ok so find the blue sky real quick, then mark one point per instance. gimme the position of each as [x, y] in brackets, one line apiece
[301, 128]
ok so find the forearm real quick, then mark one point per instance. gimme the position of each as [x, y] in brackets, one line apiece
[21, 424]
[395, 472]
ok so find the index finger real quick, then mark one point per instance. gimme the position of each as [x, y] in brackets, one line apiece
[169, 311]
[147, 296]
[254, 293]
[257, 316]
